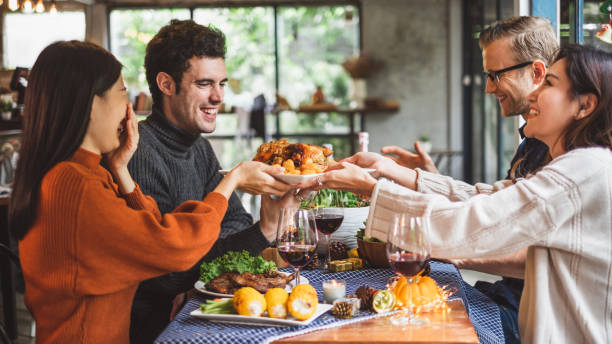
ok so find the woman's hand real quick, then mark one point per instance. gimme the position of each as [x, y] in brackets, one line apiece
[119, 158]
[343, 176]
[385, 167]
[370, 160]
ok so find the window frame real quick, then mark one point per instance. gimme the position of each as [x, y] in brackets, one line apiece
[350, 134]
[62, 9]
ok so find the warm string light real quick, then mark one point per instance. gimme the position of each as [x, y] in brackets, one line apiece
[40, 7]
[13, 5]
[53, 9]
[27, 6]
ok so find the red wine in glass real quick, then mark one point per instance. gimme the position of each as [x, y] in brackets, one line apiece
[328, 220]
[296, 255]
[328, 223]
[407, 263]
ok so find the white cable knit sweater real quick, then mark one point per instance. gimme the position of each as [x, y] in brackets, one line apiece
[563, 214]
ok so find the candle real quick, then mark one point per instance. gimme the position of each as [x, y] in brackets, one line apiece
[333, 290]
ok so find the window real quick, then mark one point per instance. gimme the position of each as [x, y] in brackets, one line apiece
[312, 41]
[26, 35]
[249, 33]
[593, 20]
[130, 31]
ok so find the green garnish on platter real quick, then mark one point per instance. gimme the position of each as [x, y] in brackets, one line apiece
[234, 261]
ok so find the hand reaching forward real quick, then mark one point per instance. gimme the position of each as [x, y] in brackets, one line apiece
[405, 158]
[376, 161]
[343, 176]
[257, 178]
[385, 167]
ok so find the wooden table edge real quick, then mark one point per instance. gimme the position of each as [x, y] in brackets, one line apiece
[346, 334]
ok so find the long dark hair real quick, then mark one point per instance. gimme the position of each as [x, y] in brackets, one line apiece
[58, 100]
[590, 71]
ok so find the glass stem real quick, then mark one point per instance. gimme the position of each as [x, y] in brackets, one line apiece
[409, 312]
[328, 237]
[297, 276]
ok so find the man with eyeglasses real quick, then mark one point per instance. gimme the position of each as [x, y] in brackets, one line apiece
[515, 56]
[515, 53]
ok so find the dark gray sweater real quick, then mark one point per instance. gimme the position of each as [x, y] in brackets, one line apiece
[172, 167]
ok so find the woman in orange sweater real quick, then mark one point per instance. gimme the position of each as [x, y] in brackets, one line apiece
[87, 237]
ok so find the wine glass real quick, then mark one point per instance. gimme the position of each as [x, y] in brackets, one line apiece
[408, 251]
[329, 219]
[296, 238]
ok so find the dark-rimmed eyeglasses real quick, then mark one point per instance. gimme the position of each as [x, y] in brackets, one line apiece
[495, 75]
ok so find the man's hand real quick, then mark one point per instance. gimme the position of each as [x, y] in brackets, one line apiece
[270, 212]
[257, 178]
[405, 158]
[179, 302]
[512, 265]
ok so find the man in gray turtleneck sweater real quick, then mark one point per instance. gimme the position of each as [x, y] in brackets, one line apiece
[185, 68]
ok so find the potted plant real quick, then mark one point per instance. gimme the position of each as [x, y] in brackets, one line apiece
[6, 107]
[425, 143]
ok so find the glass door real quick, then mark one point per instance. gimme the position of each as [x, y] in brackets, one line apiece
[489, 141]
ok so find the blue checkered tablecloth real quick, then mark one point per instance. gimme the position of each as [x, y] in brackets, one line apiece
[483, 312]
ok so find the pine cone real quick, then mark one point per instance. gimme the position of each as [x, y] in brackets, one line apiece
[365, 294]
[314, 263]
[337, 251]
[342, 310]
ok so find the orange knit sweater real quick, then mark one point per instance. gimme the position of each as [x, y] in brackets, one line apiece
[90, 246]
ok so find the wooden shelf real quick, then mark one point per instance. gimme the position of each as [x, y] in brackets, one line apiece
[350, 112]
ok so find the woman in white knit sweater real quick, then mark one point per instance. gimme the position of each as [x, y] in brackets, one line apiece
[563, 213]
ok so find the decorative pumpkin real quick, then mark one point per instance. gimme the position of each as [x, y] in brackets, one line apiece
[424, 291]
[248, 301]
[276, 301]
[303, 301]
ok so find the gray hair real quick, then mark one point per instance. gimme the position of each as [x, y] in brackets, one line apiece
[531, 38]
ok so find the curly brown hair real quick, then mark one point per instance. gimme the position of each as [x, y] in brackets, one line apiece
[174, 45]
